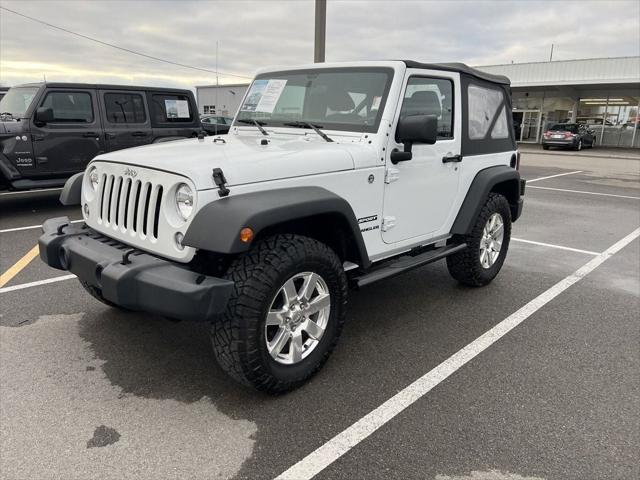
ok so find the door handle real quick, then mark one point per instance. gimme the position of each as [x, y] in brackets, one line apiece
[451, 158]
[139, 134]
[37, 138]
[109, 136]
[89, 134]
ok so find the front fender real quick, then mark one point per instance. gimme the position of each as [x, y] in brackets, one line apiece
[72, 190]
[216, 226]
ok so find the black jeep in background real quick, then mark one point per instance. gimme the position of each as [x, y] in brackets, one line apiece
[50, 131]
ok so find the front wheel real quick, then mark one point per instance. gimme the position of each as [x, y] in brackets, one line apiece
[285, 314]
[487, 245]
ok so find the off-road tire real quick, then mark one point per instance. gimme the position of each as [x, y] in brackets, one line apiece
[97, 294]
[238, 334]
[465, 265]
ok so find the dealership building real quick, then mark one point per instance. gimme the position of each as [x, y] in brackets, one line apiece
[603, 93]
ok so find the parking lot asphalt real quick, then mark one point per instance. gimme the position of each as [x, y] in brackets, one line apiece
[91, 392]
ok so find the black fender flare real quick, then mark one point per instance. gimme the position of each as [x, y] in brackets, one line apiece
[216, 226]
[7, 169]
[500, 178]
[72, 190]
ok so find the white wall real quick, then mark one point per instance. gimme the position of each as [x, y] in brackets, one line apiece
[225, 98]
[625, 70]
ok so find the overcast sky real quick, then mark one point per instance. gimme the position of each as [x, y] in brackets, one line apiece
[254, 34]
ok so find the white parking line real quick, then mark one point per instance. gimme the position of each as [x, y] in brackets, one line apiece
[328, 453]
[35, 284]
[582, 191]
[551, 245]
[30, 227]
[22, 192]
[554, 176]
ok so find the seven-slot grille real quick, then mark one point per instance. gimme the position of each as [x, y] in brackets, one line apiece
[131, 205]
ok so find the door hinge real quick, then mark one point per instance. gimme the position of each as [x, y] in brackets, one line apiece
[388, 223]
[391, 175]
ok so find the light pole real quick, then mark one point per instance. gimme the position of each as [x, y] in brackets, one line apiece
[321, 28]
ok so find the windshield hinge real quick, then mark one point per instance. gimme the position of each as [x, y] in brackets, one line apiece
[391, 175]
[219, 180]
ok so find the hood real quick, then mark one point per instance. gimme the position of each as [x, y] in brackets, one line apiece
[243, 159]
[13, 127]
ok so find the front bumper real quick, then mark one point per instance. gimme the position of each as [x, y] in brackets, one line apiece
[137, 281]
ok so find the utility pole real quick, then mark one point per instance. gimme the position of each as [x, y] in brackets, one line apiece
[551, 54]
[321, 30]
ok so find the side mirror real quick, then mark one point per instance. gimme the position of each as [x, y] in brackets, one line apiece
[44, 115]
[414, 129]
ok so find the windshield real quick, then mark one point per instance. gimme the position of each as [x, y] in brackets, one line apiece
[349, 99]
[565, 127]
[17, 101]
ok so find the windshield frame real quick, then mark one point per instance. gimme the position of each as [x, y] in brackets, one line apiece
[28, 108]
[331, 126]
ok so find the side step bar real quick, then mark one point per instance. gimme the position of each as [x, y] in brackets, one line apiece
[406, 263]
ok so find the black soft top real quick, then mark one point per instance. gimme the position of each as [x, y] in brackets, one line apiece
[461, 68]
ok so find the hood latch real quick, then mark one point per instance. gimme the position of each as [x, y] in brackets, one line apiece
[218, 178]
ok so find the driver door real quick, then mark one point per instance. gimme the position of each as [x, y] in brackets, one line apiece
[420, 193]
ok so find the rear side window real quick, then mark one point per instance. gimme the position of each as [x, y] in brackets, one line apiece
[124, 108]
[70, 107]
[430, 96]
[171, 109]
[483, 108]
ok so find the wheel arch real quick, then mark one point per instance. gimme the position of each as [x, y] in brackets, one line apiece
[311, 211]
[499, 179]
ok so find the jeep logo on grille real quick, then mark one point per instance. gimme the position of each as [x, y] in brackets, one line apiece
[130, 172]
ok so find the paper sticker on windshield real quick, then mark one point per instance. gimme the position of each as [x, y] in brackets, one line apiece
[177, 108]
[375, 105]
[263, 96]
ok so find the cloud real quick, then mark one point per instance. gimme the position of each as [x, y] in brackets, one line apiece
[255, 34]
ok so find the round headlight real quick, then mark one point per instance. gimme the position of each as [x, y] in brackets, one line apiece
[184, 200]
[94, 178]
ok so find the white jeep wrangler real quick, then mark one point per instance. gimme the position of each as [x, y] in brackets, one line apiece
[332, 176]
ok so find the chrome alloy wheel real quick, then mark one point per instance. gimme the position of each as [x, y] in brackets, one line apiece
[297, 318]
[491, 242]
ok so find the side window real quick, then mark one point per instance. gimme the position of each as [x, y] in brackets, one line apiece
[483, 106]
[70, 107]
[171, 108]
[430, 96]
[124, 108]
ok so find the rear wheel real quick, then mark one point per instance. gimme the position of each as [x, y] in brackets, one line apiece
[487, 245]
[285, 314]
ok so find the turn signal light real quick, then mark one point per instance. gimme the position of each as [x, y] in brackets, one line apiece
[246, 235]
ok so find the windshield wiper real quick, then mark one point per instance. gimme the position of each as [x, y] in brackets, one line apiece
[257, 123]
[316, 128]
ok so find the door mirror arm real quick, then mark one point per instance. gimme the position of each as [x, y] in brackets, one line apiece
[398, 156]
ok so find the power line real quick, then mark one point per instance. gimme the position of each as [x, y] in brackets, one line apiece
[226, 74]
